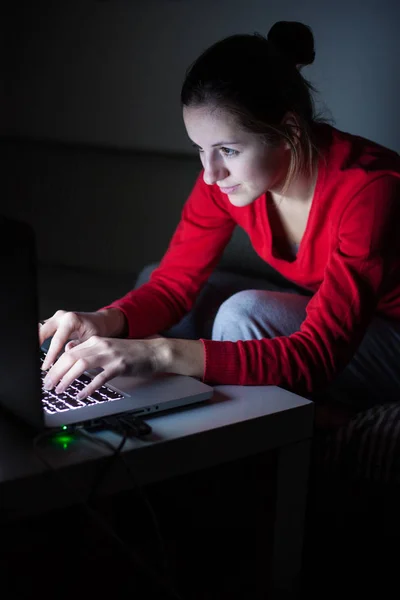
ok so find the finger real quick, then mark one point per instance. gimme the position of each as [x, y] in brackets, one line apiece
[84, 346]
[96, 383]
[60, 337]
[73, 363]
[63, 373]
[71, 345]
[46, 328]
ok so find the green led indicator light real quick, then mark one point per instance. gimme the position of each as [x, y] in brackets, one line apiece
[64, 440]
[64, 427]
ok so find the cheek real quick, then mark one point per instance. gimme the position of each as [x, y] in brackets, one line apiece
[260, 171]
[268, 167]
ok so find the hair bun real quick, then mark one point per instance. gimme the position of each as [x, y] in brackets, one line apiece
[293, 40]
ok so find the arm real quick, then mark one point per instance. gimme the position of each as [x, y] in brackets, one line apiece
[195, 248]
[185, 357]
[364, 267]
[360, 270]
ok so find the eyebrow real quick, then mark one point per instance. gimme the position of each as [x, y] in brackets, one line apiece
[219, 144]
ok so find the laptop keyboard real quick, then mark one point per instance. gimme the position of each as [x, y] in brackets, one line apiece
[54, 403]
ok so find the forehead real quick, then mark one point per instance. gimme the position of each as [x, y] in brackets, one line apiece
[209, 122]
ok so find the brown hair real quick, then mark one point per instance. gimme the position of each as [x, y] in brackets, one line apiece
[258, 80]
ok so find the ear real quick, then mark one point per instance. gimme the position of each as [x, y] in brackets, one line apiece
[292, 128]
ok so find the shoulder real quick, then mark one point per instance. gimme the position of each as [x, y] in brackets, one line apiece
[355, 168]
[206, 195]
[207, 200]
[202, 191]
[355, 158]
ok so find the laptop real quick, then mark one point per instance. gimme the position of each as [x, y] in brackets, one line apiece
[21, 389]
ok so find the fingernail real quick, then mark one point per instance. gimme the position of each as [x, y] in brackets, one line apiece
[80, 396]
[48, 383]
[59, 389]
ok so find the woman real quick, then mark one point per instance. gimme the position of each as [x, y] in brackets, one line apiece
[320, 206]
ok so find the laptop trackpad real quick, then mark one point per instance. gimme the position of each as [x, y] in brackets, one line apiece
[162, 390]
[132, 384]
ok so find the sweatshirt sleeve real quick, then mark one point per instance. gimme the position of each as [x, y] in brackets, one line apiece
[359, 270]
[194, 250]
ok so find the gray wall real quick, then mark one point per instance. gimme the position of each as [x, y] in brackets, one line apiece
[110, 72]
[96, 208]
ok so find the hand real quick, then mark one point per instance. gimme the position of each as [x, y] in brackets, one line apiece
[79, 326]
[113, 356]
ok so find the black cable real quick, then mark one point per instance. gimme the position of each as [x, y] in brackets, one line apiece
[103, 523]
[136, 486]
[108, 464]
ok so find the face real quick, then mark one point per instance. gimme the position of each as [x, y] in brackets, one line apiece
[242, 165]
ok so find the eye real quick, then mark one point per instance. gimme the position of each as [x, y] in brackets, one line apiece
[229, 152]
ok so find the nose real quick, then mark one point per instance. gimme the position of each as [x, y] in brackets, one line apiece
[214, 170]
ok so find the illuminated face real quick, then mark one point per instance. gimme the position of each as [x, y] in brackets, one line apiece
[239, 162]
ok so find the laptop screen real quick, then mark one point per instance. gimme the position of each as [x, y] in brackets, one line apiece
[19, 343]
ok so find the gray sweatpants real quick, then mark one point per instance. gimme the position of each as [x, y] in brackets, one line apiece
[235, 307]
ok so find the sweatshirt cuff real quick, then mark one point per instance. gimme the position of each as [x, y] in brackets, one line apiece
[221, 363]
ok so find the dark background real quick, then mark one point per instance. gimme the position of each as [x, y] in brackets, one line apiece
[97, 157]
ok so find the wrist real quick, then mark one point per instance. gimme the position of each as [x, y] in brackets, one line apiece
[113, 323]
[184, 357]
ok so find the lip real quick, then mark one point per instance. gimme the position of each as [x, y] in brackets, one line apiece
[229, 190]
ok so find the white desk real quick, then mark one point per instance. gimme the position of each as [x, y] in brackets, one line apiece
[238, 422]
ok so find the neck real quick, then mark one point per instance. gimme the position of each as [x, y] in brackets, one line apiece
[301, 190]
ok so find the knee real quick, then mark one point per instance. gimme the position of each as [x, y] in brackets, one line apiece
[235, 316]
[257, 314]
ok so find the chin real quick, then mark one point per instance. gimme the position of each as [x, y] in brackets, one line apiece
[241, 200]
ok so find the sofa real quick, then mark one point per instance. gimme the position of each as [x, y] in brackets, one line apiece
[102, 214]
